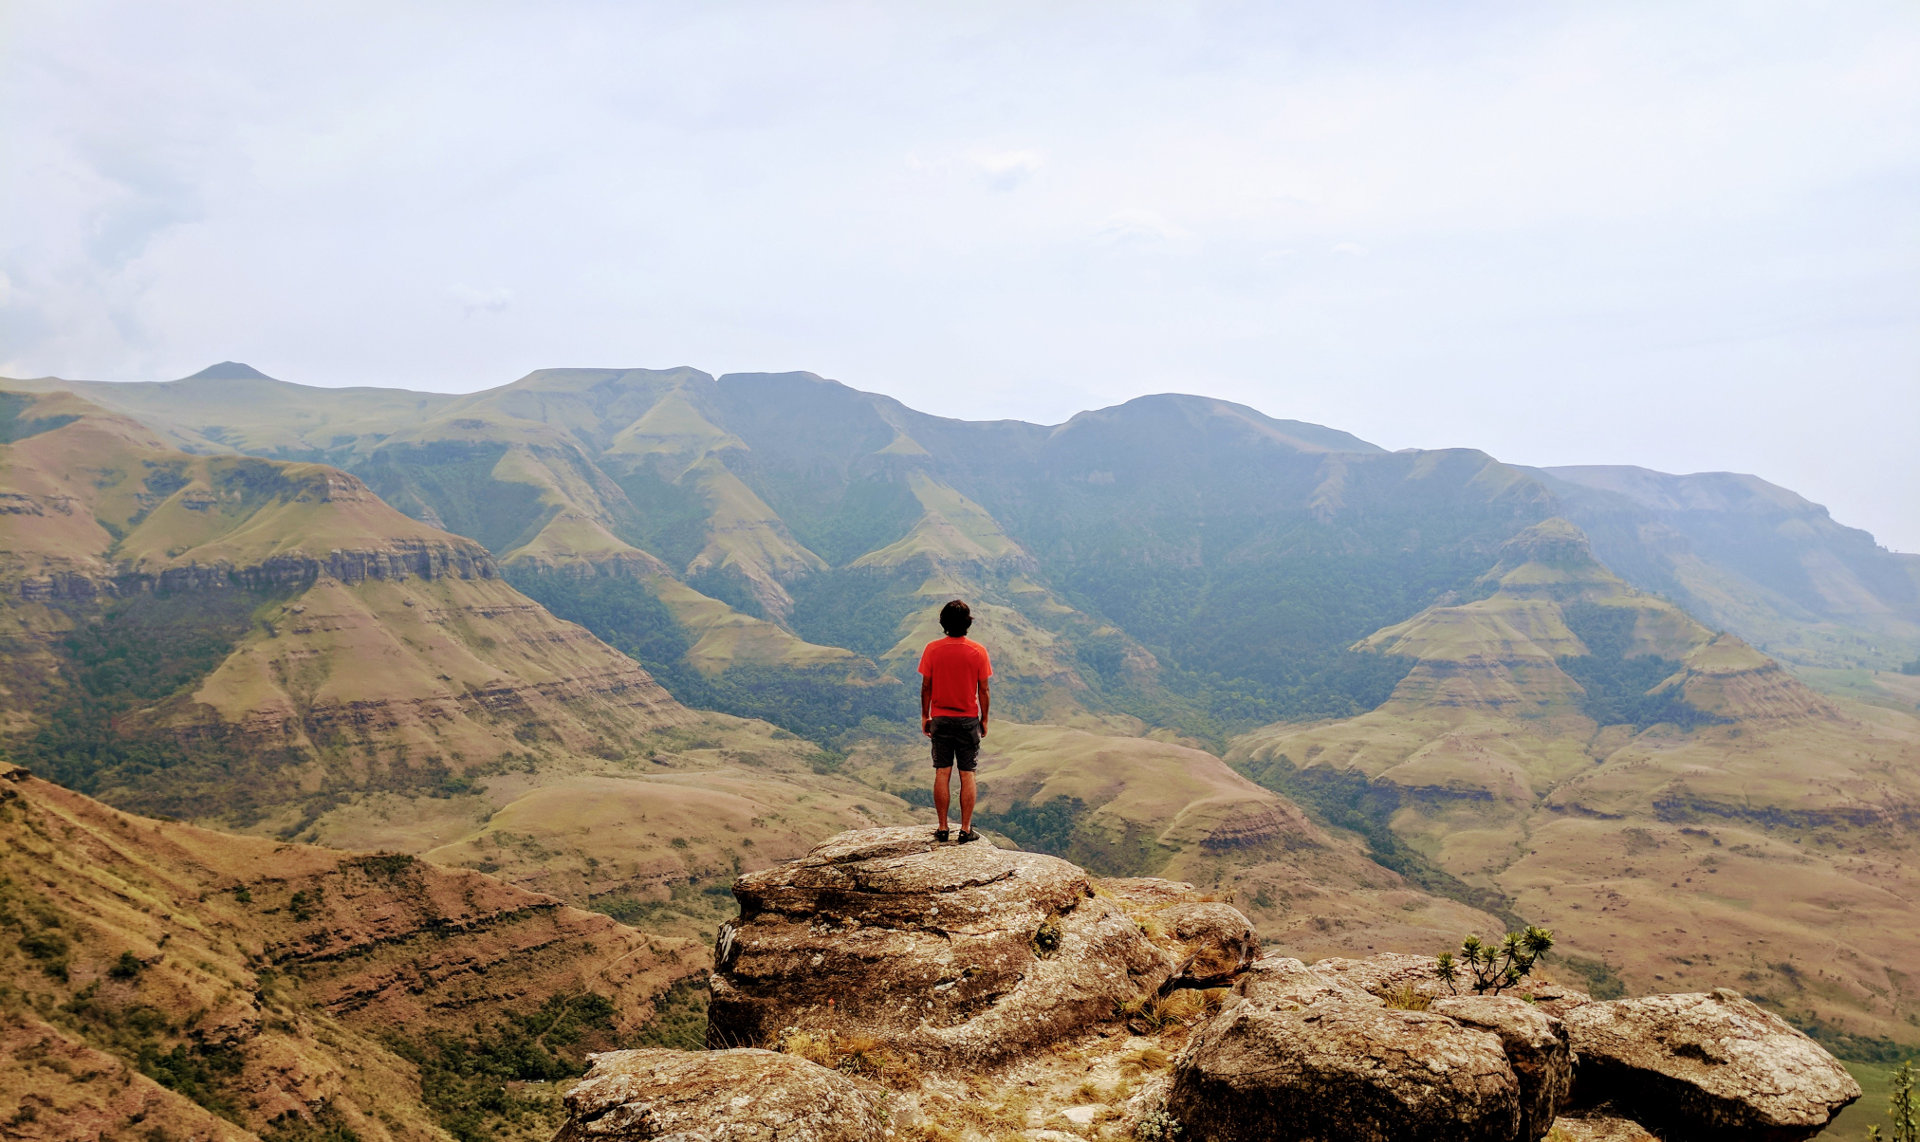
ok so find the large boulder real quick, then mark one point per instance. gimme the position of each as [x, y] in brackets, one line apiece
[1295, 1055]
[1536, 1046]
[716, 1096]
[1706, 1066]
[953, 952]
[1215, 942]
[1210, 941]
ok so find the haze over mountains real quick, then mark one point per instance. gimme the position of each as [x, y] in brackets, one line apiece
[617, 635]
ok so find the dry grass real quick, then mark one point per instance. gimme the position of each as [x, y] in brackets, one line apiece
[1136, 1063]
[851, 1054]
[1405, 998]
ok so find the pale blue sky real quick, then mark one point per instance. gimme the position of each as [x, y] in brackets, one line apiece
[1679, 235]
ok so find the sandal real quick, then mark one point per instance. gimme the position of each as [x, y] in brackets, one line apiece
[968, 835]
[941, 834]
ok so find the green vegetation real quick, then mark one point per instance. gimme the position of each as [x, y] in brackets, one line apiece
[1046, 828]
[1346, 799]
[452, 483]
[1602, 981]
[1903, 1113]
[122, 661]
[14, 427]
[464, 1077]
[1619, 689]
[1910, 667]
[1495, 967]
[201, 1072]
[818, 703]
[679, 1018]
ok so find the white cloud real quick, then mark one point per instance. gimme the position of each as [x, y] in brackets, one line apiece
[1005, 170]
[1136, 225]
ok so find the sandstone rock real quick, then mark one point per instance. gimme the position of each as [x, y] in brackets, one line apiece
[1596, 1127]
[1279, 979]
[1536, 1047]
[1383, 975]
[1149, 892]
[716, 1096]
[1558, 999]
[1297, 1056]
[1706, 1066]
[1217, 941]
[953, 951]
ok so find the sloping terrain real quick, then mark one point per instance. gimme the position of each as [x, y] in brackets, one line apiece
[1751, 557]
[205, 635]
[164, 980]
[1125, 806]
[1671, 801]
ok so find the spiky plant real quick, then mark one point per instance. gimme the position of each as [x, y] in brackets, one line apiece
[1493, 968]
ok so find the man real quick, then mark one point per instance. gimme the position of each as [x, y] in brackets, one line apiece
[954, 702]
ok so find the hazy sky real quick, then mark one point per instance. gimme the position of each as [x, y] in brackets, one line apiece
[1679, 235]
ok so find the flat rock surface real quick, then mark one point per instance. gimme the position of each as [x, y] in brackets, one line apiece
[716, 1096]
[1706, 1065]
[953, 951]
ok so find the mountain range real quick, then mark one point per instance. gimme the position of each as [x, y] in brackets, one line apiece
[615, 636]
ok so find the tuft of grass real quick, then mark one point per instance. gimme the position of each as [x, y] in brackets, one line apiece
[1405, 998]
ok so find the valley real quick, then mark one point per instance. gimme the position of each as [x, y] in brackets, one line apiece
[590, 646]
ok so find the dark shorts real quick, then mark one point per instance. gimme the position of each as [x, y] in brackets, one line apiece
[956, 740]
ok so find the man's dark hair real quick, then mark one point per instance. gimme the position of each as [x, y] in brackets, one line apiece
[955, 619]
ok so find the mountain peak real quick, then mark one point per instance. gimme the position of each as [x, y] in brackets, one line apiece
[229, 371]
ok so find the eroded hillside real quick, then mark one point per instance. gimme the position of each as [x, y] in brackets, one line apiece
[203, 985]
[1670, 800]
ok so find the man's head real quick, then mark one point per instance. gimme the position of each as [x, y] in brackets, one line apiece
[955, 619]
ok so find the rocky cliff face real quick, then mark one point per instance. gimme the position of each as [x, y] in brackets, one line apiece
[908, 988]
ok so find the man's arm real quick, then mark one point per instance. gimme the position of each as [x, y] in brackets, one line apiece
[926, 705]
[986, 703]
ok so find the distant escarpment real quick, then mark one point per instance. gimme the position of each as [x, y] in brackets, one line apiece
[221, 636]
[887, 980]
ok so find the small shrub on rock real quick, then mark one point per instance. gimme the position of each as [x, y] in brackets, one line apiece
[1157, 1125]
[1492, 968]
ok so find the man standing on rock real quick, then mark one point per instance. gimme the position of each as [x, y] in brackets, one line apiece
[953, 711]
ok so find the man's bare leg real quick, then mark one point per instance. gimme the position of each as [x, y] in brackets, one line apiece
[942, 789]
[966, 802]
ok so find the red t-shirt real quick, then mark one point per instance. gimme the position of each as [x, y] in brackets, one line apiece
[956, 666]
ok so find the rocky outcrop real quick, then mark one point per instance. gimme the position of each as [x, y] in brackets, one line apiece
[1707, 1066]
[1210, 942]
[741, 1095]
[1297, 1056]
[1387, 974]
[1219, 943]
[948, 951]
[1536, 1046]
[397, 560]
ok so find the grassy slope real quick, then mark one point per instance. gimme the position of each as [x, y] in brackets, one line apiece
[258, 981]
[1769, 848]
[346, 681]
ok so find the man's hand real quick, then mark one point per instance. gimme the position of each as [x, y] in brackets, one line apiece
[926, 726]
[983, 727]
